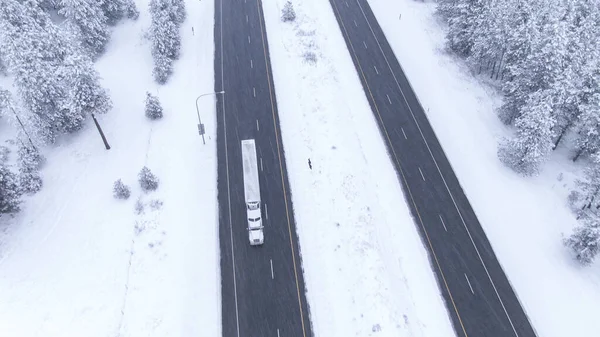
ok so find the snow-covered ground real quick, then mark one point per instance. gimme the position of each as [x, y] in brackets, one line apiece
[365, 268]
[524, 218]
[75, 261]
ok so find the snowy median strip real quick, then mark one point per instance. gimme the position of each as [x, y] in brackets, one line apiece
[365, 267]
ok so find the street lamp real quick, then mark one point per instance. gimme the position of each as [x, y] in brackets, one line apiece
[201, 130]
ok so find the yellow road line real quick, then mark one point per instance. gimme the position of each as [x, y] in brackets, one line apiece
[399, 166]
[258, 2]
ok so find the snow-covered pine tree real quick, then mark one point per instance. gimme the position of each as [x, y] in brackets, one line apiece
[29, 158]
[34, 49]
[585, 240]
[131, 10]
[163, 68]
[30, 161]
[148, 181]
[165, 37]
[178, 10]
[288, 13]
[120, 190]
[462, 24]
[153, 108]
[10, 194]
[116, 10]
[588, 127]
[533, 142]
[588, 188]
[89, 18]
[86, 96]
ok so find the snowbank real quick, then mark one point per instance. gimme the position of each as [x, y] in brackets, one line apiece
[365, 268]
[524, 218]
[78, 262]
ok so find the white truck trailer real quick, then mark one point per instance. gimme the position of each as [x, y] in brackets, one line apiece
[252, 192]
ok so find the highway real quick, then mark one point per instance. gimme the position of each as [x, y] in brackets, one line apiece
[479, 298]
[262, 287]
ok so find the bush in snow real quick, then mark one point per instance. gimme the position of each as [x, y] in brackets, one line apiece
[10, 194]
[153, 108]
[139, 207]
[120, 190]
[585, 241]
[288, 13]
[148, 180]
[310, 57]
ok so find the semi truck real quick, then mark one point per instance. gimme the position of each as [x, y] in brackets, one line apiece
[252, 193]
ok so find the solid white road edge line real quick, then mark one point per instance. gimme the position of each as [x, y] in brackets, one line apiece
[440, 172]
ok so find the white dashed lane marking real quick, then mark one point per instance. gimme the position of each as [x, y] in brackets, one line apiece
[469, 283]
[443, 224]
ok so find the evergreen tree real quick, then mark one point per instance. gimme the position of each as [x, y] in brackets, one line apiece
[116, 10]
[91, 22]
[148, 181]
[585, 241]
[463, 20]
[588, 188]
[10, 195]
[34, 48]
[113, 11]
[153, 108]
[533, 141]
[30, 161]
[131, 10]
[164, 36]
[588, 128]
[120, 190]
[178, 11]
[85, 94]
[288, 13]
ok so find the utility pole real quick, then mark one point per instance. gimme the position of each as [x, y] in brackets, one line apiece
[23, 127]
[201, 129]
[100, 131]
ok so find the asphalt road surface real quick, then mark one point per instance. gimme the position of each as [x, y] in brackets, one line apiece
[479, 297]
[262, 288]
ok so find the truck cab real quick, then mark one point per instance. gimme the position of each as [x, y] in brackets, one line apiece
[255, 227]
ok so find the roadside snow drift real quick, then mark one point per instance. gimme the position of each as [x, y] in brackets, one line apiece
[76, 261]
[365, 268]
